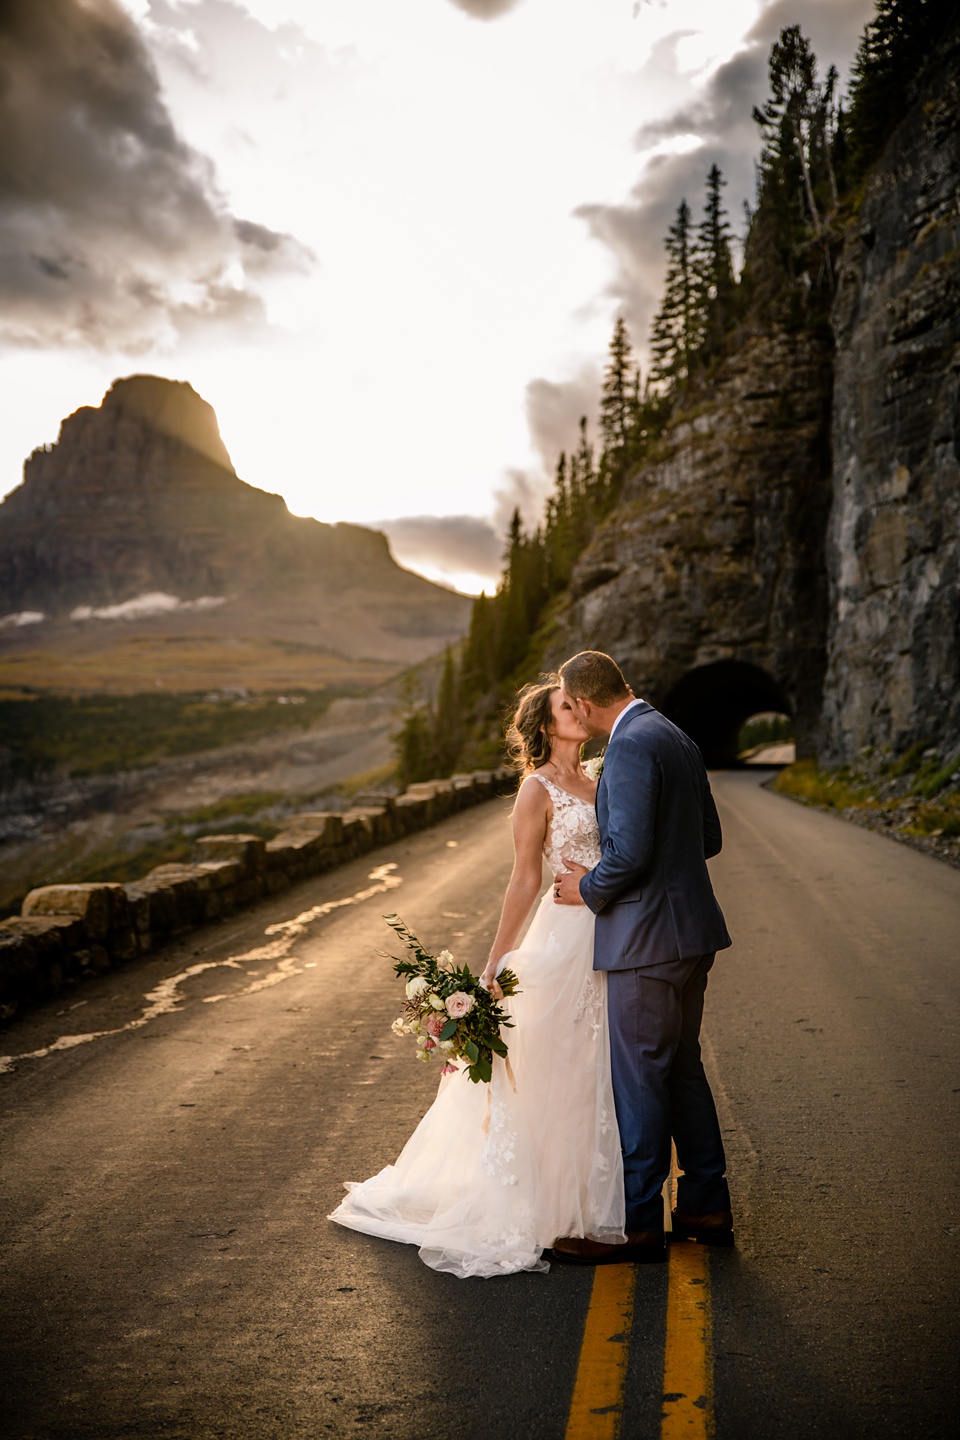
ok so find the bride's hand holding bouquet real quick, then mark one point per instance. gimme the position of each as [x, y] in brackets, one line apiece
[454, 1015]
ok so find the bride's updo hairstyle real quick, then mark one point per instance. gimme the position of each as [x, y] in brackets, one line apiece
[528, 740]
[594, 676]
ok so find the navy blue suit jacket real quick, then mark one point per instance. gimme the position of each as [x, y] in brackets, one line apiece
[651, 891]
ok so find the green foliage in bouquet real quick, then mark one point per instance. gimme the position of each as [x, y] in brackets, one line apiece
[451, 1014]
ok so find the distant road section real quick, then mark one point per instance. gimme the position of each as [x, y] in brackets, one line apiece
[774, 755]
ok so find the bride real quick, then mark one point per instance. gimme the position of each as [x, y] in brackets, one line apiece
[494, 1174]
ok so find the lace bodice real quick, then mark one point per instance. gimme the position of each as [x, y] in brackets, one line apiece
[572, 833]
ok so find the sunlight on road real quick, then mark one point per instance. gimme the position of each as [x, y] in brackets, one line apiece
[167, 996]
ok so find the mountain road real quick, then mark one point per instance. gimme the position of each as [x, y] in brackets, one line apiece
[173, 1136]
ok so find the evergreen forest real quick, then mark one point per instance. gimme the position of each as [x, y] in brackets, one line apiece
[816, 149]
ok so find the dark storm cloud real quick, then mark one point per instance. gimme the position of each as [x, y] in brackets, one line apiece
[454, 543]
[833, 26]
[720, 120]
[486, 9]
[724, 109]
[112, 231]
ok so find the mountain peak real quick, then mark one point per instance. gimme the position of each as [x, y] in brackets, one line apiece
[139, 499]
[171, 407]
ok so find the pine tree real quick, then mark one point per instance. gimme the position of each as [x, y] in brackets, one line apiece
[560, 541]
[637, 432]
[413, 741]
[516, 599]
[714, 262]
[789, 118]
[509, 608]
[827, 120]
[893, 50]
[561, 481]
[584, 459]
[678, 327]
[797, 190]
[448, 721]
[479, 656]
[616, 399]
[840, 157]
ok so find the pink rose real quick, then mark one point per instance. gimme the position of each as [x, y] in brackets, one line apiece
[435, 1024]
[459, 1004]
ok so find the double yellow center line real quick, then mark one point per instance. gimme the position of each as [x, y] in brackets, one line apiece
[596, 1410]
[688, 1350]
[597, 1405]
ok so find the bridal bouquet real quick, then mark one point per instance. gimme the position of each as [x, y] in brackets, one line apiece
[448, 1010]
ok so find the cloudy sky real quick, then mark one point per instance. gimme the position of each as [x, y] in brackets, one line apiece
[386, 239]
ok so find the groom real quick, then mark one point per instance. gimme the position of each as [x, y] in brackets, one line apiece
[657, 930]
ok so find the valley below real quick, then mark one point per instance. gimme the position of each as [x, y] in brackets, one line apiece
[63, 827]
[180, 654]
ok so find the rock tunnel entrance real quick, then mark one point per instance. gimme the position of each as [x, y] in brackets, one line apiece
[712, 702]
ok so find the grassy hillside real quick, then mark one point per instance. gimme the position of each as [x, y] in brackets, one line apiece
[98, 734]
[139, 662]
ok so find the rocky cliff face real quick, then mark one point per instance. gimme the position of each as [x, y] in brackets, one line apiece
[708, 583]
[893, 675]
[793, 544]
[139, 500]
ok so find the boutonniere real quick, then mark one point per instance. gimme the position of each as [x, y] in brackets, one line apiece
[593, 769]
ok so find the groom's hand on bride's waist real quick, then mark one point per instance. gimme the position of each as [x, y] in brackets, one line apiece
[566, 886]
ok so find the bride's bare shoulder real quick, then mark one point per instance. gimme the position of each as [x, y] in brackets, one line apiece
[532, 795]
[531, 816]
[533, 783]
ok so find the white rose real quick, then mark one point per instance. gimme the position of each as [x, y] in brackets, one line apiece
[416, 987]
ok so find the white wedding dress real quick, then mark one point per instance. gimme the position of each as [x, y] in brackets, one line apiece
[494, 1174]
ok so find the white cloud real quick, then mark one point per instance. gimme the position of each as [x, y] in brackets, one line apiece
[143, 607]
[459, 550]
[21, 618]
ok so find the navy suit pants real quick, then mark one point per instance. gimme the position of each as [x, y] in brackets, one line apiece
[660, 1090]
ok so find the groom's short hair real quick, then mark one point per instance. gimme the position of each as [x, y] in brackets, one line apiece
[593, 676]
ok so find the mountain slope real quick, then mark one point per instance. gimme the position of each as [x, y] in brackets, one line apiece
[134, 531]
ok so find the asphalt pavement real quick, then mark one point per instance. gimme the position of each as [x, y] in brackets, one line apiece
[167, 1270]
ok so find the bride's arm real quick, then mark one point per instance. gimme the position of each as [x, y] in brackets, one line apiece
[530, 816]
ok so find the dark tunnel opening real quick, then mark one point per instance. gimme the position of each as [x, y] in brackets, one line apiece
[712, 702]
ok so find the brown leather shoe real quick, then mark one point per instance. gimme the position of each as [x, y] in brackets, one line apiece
[643, 1247]
[714, 1227]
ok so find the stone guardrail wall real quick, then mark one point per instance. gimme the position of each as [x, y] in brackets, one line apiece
[65, 933]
